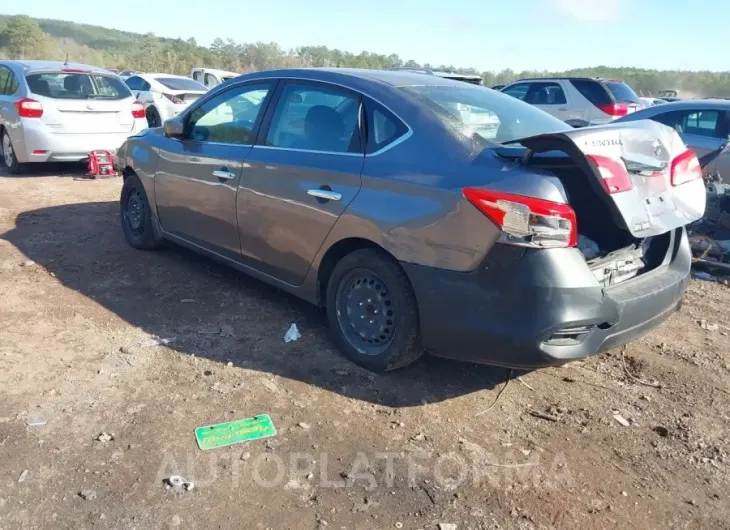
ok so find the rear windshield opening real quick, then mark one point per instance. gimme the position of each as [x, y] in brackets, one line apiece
[65, 85]
[177, 83]
[622, 92]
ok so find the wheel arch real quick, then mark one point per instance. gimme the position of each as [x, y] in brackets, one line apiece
[335, 253]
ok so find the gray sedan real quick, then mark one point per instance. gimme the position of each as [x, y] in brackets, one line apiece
[380, 196]
[703, 124]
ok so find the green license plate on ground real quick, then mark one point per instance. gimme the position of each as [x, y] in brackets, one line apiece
[234, 432]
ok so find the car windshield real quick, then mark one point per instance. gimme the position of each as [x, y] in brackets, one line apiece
[622, 92]
[485, 116]
[181, 83]
[72, 85]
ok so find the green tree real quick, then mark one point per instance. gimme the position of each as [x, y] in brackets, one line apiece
[24, 38]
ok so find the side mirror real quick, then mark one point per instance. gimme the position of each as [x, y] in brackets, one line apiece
[174, 128]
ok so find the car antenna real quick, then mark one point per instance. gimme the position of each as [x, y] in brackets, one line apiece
[66, 63]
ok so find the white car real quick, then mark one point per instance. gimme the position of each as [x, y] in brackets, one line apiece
[54, 111]
[211, 77]
[578, 101]
[164, 96]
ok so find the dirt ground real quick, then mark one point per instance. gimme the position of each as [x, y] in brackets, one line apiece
[93, 420]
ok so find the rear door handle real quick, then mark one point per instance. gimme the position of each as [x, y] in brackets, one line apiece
[224, 174]
[327, 195]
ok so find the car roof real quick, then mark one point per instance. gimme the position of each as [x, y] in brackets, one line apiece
[215, 71]
[570, 78]
[158, 75]
[395, 78]
[31, 65]
[438, 73]
[688, 104]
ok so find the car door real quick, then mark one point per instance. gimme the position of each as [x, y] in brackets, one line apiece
[198, 175]
[300, 176]
[6, 79]
[702, 129]
[550, 97]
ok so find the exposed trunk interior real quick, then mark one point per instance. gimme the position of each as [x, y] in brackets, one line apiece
[612, 253]
[595, 218]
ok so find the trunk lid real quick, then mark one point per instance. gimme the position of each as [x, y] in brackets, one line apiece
[188, 97]
[87, 116]
[652, 205]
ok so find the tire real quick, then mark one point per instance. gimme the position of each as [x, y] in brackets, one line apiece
[136, 216]
[153, 118]
[8, 154]
[372, 311]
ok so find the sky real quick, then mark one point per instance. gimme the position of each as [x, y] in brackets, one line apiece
[483, 34]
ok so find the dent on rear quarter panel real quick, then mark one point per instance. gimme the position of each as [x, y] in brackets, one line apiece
[417, 224]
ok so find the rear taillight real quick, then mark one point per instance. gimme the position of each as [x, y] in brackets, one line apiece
[685, 168]
[526, 221]
[137, 110]
[176, 100]
[615, 109]
[29, 108]
[614, 176]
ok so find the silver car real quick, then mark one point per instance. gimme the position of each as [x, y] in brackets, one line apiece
[53, 111]
[703, 124]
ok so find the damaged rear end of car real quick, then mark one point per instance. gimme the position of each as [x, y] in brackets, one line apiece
[593, 251]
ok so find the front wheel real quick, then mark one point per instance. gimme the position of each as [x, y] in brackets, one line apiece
[372, 311]
[136, 215]
[11, 161]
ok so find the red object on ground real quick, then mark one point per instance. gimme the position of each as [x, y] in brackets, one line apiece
[101, 164]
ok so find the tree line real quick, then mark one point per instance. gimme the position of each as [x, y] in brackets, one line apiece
[25, 37]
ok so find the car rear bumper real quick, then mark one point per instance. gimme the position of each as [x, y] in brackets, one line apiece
[530, 309]
[38, 144]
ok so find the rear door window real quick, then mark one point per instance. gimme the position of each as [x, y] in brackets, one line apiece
[316, 117]
[71, 85]
[5, 75]
[593, 91]
[518, 91]
[383, 127]
[12, 85]
[545, 94]
[698, 122]
[210, 80]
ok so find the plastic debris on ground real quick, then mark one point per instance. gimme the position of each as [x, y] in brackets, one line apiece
[292, 334]
[179, 483]
[233, 432]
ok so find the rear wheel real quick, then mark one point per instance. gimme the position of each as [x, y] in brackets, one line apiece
[136, 216]
[153, 117]
[8, 154]
[372, 311]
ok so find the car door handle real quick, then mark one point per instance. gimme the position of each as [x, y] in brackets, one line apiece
[327, 195]
[224, 174]
[563, 108]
